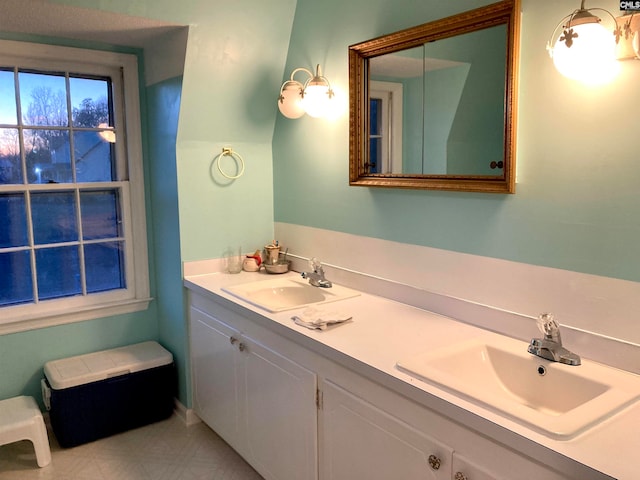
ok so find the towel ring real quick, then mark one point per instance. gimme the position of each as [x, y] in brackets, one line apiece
[236, 156]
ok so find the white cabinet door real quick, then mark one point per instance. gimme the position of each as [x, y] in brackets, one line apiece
[360, 441]
[494, 462]
[279, 414]
[260, 402]
[465, 469]
[213, 361]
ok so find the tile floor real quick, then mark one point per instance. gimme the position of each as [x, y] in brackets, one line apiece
[166, 450]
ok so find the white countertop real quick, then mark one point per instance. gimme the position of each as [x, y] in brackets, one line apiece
[383, 332]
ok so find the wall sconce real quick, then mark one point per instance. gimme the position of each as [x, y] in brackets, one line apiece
[108, 134]
[629, 45]
[585, 50]
[313, 97]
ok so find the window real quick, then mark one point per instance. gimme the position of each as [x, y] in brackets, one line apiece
[385, 120]
[72, 236]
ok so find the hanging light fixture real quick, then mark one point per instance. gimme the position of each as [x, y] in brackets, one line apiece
[584, 49]
[313, 97]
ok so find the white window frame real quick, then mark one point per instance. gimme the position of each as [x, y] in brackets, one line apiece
[130, 185]
[391, 95]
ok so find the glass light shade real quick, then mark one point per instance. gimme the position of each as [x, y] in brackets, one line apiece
[338, 104]
[107, 135]
[291, 104]
[316, 100]
[591, 57]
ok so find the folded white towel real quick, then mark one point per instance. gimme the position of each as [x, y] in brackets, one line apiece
[319, 319]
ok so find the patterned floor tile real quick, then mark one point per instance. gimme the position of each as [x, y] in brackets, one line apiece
[166, 450]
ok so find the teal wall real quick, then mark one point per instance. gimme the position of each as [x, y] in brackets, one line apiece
[576, 205]
[413, 129]
[164, 107]
[233, 69]
[474, 136]
[443, 91]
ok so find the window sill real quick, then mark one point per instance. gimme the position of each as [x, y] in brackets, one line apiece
[78, 315]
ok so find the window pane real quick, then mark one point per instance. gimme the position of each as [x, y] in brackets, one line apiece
[8, 98]
[94, 157]
[100, 214]
[48, 158]
[90, 100]
[58, 272]
[375, 135]
[54, 217]
[10, 164]
[16, 285]
[43, 99]
[13, 227]
[375, 120]
[375, 154]
[104, 266]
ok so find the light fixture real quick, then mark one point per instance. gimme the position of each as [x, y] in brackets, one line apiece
[108, 135]
[585, 50]
[313, 97]
[629, 46]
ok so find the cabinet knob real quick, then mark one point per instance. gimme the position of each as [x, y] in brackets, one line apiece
[233, 340]
[460, 476]
[242, 347]
[434, 462]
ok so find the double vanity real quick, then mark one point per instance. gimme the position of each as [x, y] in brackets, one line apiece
[396, 392]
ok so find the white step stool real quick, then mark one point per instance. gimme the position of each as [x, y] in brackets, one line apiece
[20, 419]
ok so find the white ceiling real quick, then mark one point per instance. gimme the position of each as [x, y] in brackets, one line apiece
[41, 17]
[398, 66]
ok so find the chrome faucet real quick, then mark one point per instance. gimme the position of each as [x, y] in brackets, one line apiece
[550, 347]
[316, 277]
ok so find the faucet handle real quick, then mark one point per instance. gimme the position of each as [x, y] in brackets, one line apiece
[547, 325]
[314, 264]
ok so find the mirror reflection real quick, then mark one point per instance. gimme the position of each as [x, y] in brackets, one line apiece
[433, 107]
[438, 108]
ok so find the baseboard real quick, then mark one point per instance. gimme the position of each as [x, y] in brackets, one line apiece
[187, 415]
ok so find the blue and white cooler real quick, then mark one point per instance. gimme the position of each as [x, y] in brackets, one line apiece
[99, 394]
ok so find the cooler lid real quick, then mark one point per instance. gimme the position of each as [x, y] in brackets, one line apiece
[92, 367]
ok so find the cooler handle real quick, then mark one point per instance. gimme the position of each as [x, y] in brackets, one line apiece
[46, 394]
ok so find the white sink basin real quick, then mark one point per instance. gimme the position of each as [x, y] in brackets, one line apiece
[560, 401]
[282, 294]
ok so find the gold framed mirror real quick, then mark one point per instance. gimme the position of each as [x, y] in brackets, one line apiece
[434, 106]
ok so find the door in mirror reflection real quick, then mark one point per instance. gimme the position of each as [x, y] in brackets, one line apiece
[385, 127]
